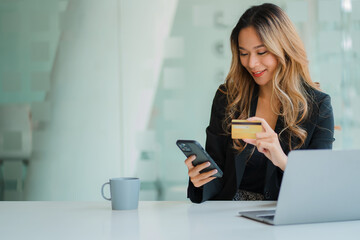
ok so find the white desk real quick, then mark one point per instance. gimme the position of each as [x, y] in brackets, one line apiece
[154, 220]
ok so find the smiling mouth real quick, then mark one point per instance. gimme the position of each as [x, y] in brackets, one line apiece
[259, 73]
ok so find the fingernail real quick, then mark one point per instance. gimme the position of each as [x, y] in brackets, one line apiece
[215, 171]
[207, 164]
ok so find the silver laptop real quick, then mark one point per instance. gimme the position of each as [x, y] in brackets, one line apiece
[317, 186]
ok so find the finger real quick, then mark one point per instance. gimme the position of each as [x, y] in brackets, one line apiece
[268, 137]
[263, 146]
[196, 170]
[189, 160]
[262, 149]
[205, 175]
[264, 124]
[250, 141]
[203, 182]
[262, 135]
[265, 151]
[202, 166]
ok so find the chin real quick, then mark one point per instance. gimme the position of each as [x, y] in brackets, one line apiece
[262, 83]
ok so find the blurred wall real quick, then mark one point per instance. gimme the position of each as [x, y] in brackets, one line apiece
[79, 149]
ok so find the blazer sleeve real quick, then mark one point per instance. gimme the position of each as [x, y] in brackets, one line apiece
[323, 135]
[216, 147]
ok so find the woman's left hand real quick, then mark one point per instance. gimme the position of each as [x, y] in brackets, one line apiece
[267, 142]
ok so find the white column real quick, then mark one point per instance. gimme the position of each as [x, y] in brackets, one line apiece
[80, 148]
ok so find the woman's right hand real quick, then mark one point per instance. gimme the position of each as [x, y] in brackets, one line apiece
[197, 178]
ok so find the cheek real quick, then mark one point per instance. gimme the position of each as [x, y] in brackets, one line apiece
[243, 62]
[271, 62]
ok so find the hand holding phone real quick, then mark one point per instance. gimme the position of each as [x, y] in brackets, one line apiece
[202, 168]
[199, 179]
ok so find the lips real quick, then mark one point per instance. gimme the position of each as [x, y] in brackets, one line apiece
[258, 73]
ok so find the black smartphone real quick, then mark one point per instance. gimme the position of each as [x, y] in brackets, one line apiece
[192, 147]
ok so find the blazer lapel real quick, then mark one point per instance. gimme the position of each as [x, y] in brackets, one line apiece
[270, 167]
[242, 158]
[240, 164]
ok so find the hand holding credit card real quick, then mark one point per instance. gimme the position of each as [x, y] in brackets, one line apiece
[245, 129]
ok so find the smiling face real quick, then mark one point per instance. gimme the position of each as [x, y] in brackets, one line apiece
[255, 57]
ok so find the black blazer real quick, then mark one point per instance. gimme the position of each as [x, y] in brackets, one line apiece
[319, 127]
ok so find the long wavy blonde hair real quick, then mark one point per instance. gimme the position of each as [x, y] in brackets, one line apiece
[290, 79]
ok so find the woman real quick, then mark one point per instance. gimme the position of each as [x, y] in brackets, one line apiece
[268, 81]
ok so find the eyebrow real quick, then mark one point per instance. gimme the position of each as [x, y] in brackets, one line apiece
[260, 46]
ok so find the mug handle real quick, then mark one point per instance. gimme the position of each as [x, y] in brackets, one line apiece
[102, 191]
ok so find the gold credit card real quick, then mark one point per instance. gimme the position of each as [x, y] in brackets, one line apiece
[244, 129]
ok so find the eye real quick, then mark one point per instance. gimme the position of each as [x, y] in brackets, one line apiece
[262, 53]
[243, 54]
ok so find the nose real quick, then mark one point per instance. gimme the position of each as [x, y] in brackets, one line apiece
[253, 61]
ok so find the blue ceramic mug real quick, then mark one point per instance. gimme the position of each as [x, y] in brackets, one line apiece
[124, 193]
